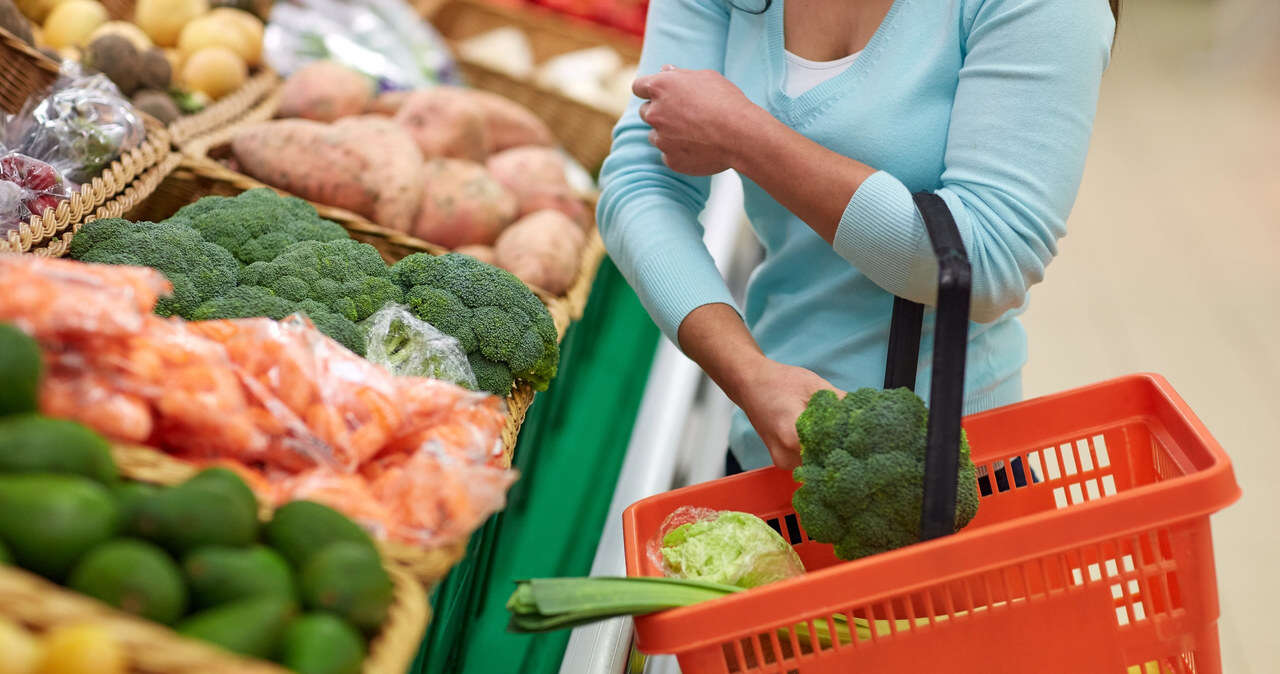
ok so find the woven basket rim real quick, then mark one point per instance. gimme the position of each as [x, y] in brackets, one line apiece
[112, 182]
[226, 110]
[153, 647]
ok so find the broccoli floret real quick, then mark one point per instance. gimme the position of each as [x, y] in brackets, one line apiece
[198, 270]
[245, 302]
[346, 276]
[258, 225]
[862, 471]
[251, 301]
[502, 326]
[336, 327]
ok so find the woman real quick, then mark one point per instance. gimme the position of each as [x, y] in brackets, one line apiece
[835, 112]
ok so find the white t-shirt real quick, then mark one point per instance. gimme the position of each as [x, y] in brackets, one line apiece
[803, 74]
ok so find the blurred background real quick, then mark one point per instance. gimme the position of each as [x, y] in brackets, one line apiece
[1172, 265]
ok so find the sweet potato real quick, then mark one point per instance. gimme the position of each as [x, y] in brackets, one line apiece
[387, 103]
[365, 164]
[446, 122]
[536, 175]
[462, 204]
[542, 249]
[482, 253]
[510, 124]
[325, 91]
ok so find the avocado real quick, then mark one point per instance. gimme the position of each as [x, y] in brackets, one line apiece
[219, 575]
[20, 369]
[226, 480]
[251, 627]
[322, 643]
[30, 443]
[196, 514]
[133, 576]
[301, 528]
[50, 521]
[348, 579]
[129, 497]
[5, 557]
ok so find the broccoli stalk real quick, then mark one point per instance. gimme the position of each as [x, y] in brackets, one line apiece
[862, 471]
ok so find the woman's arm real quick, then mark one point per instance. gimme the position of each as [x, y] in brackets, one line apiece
[771, 394]
[1015, 153]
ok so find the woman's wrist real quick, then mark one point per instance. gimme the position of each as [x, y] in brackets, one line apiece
[744, 138]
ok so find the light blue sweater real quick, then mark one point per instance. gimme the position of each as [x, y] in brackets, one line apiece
[988, 103]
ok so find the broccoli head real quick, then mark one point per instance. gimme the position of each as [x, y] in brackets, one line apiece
[251, 301]
[259, 224]
[501, 325]
[346, 276]
[862, 471]
[198, 270]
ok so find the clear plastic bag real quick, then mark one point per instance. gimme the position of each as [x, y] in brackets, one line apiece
[722, 546]
[80, 127]
[417, 460]
[384, 39]
[410, 347]
[28, 187]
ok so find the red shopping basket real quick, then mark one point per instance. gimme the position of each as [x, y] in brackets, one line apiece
[1090, 553]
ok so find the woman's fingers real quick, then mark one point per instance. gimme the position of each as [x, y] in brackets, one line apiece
[644, 112]
[654, 139]
[644, 86]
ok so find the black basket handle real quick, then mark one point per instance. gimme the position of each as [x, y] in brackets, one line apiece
[950, 343]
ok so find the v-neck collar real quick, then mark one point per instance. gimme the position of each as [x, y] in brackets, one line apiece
[799, 110]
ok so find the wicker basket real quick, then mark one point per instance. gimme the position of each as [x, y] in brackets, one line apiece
[227, 110]
[155, 649]
[207, 151]
[24, 72]
[585, 131]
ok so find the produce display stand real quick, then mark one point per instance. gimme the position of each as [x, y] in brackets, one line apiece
[585, 130]
[1100, 561]
[196, 178]
[126, 181]
[152, 648]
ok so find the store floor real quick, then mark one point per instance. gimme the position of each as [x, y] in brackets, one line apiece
[1172, 265]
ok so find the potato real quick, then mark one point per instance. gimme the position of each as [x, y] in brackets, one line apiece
[484, 254]
[462, 204]
[536, 175]
[446, 122]
[525, 170]
[37, 10]
[126, 30]
[250, 24]
[388, 103]
[163, 20]
[214, 72]
[542, 249]
[212, 31]
[510, 124]
[325, 91]
[71, 23]
[368, 165]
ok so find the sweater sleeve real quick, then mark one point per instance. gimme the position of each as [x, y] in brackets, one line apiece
[648, 214]
[1020, 127]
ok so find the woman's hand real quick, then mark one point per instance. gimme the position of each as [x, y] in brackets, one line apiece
[773, 402]
[699, 118]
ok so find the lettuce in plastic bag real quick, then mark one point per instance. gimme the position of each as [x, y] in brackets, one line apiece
[725, 547]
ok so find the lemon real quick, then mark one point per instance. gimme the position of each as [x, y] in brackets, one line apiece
[19, 650]
[81, 649]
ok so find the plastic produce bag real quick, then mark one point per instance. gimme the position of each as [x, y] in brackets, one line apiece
[723, 546]
[27, 187]
[410, 347]
[79, 128]
[384, 39]
[417, 460]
